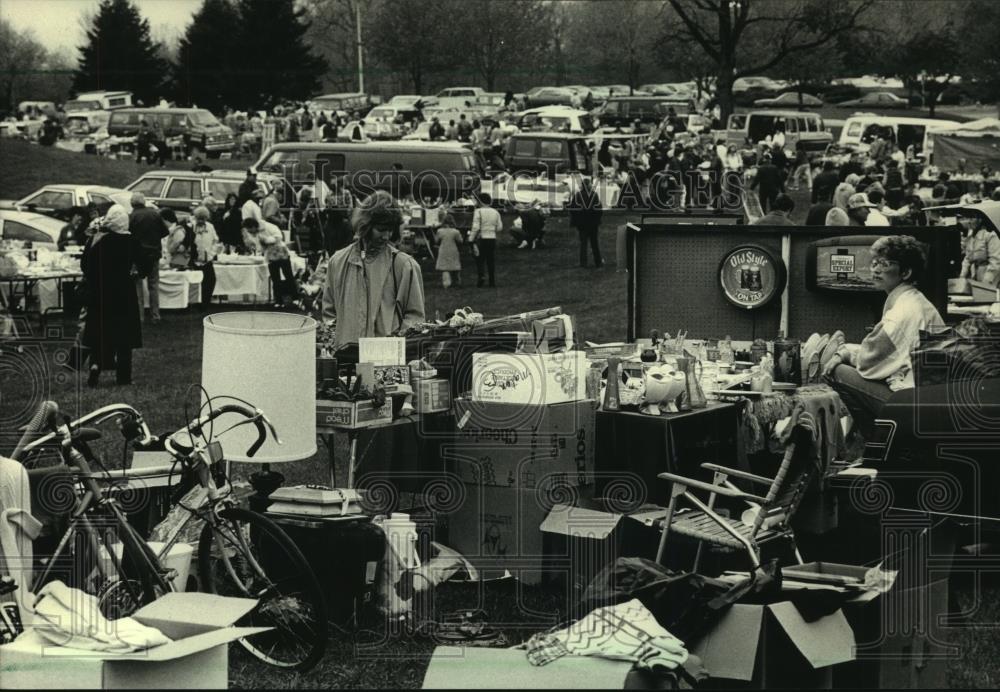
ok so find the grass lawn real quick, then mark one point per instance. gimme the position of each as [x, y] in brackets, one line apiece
[171, 361]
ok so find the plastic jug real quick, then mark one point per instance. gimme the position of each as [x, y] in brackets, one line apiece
[693, 396]
[401, 534]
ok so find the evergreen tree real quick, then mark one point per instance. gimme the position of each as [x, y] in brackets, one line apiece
[207, 57]
[275, 63]
[120, 54]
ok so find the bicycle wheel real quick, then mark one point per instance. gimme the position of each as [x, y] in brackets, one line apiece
[247, 555]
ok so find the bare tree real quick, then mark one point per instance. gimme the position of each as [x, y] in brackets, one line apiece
[751, 37]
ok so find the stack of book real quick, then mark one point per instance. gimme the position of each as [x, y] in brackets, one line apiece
[315, 501]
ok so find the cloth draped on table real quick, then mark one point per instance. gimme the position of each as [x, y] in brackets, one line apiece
[759, 415]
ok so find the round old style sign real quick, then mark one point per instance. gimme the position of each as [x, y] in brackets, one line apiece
[751, 276]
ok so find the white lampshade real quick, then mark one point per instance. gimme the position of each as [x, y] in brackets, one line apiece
[268, 359]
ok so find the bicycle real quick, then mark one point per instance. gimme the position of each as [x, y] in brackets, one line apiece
[240, 553]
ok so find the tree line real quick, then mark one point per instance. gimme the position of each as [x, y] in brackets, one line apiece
[257, 53]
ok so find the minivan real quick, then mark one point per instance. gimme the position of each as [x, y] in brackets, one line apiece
[548, 152]
[198, 126]
[860, 130]
[425, 169]
[798, 125]
[622, 111]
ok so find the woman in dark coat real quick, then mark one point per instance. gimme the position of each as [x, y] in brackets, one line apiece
[112, 327]
[229, 230]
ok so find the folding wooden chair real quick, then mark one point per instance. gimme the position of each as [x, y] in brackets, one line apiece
[798, 469]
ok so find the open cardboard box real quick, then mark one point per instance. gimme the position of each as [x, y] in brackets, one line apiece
[768, 646]
[198, 657]
[473, 668]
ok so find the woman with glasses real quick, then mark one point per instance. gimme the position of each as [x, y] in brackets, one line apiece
[866, 374]
[372, 288]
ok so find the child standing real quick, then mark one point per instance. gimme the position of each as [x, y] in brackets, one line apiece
[448, 259]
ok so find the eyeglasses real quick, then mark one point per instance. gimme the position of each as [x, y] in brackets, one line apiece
[879, 263]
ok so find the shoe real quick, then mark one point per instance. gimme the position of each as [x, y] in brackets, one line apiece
[523, 245]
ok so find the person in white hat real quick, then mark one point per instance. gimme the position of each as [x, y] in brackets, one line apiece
[858, 209]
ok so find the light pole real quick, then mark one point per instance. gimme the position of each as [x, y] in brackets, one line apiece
[361, 54]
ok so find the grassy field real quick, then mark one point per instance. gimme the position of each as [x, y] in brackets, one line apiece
[171, 361]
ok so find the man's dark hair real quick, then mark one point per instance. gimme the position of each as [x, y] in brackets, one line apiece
[168, 215]
[783, 203]
[828, 166]
[249, 223]
[875, 196]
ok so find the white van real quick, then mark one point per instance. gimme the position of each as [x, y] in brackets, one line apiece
[98, 101]
[798, 125]
[861, 129]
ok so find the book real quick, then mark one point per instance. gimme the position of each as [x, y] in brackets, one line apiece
[315, 495]
[303, 509]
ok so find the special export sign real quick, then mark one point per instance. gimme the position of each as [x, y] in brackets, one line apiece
[751, 276]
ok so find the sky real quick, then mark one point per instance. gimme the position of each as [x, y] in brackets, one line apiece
[56, 23]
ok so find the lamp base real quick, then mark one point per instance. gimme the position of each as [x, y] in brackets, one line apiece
[266, 481]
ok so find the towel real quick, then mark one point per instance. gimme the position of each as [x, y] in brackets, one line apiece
[627, 631]
[70, 618]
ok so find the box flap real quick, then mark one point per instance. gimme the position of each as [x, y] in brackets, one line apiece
[729, 650]
[33, 643]
[472, 668]
[823, 642]
[180, 615]
[579, 522]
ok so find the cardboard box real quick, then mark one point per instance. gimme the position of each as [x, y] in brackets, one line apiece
[901, 641]
[383, 375]
[497, 530]
[524, 446]
[431, 395]
[580, 542]
[552, 334]
[474, 668]
[772, 645]
[351, 415]
[198, 658]
[535, 379]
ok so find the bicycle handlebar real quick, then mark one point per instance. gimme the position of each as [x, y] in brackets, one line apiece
[45, 418]
[255, 416]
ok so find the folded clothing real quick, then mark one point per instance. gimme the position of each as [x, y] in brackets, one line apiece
[71, 618]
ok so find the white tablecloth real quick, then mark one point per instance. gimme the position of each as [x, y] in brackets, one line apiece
[249, 282]
[178, 289]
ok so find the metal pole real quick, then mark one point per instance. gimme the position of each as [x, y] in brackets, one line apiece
[361, 57]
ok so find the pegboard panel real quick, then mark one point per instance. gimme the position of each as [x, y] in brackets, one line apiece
[674, 283]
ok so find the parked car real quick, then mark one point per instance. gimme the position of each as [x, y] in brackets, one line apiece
[550, 96]
[464, 92]
[555, 119]
[82, 123]
[197, 126]
[623, 111]
[859, 130]
[798, 125]
[747, 83]
[390, 114]
[185, 190]
[56, 201]
[445, 169]
[38, 229]
[548, 152]
[346, 102]
[411, 101]
[876, 99]
[790, 99]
